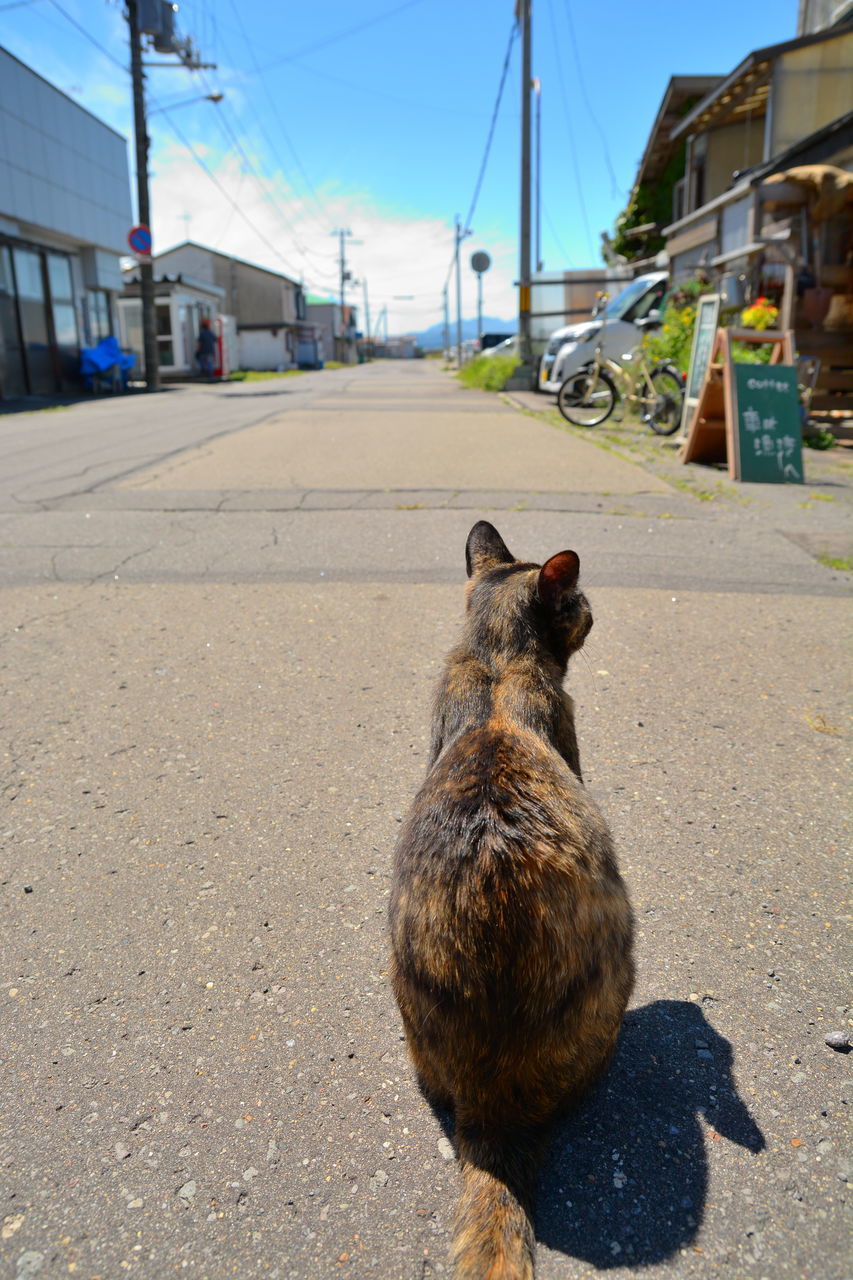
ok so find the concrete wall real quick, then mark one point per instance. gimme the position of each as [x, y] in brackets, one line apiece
[264, 349]
[60, 167]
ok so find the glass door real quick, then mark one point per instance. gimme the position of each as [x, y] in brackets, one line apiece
[32, 308]
[64, 318]
[13, 375]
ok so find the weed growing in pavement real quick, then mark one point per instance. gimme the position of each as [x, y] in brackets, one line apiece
[821, 725]
[843, 563]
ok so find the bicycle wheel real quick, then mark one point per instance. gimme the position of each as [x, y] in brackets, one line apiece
[664, 411]
[586, 400]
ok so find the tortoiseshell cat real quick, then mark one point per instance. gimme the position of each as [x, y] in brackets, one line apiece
[511, 930]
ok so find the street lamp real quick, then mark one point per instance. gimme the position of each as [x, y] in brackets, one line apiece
[188, 102]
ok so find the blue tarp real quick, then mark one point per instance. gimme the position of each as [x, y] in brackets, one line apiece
[106, 356]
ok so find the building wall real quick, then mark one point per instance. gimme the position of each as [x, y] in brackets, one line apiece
[258, 296]
[734, 146]
[252, 295]
[60, 167]
[187, 260]
[65, 212]
[325, 317]
[811, 87]
[264, 349]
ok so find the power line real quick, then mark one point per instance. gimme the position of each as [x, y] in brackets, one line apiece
[566, 257]
[512, 37]
[89, 37]
[341, 35]
[569, 132]
[615, 189]
[232, 137]
[274, 105]
[213, 178]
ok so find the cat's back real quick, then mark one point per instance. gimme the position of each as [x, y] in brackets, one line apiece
[501, 800]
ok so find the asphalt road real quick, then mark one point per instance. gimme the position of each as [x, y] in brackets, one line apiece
[223, 612]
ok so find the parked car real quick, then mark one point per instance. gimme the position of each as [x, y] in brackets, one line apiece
[638, 307]
[509, 347]
[489, 340]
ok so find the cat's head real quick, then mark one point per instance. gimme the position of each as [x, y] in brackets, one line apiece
[514, 605]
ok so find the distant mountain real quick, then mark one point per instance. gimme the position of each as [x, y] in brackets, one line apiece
[432, 339]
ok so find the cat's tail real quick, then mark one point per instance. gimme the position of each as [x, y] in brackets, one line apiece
[493, 1234]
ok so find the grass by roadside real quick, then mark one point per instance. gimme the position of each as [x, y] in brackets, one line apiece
[262, 375]
[488, 373]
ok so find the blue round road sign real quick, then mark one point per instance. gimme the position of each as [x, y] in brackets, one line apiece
[139, 239]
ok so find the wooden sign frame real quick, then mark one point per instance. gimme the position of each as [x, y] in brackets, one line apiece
[707, 318]
[712, 433]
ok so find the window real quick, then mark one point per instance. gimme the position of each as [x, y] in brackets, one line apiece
[62, 300]
[100, 322]
[163, 330]
[164, 320]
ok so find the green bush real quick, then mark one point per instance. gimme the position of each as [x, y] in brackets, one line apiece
[489, 373]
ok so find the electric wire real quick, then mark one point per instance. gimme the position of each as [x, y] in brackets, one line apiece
[258, 71]
[233, 139]
[213, 178]
[615, 189]
[563, 254]
[185, 142]
[512, 38]
[89, 37]
[341, 35]
[570, 133]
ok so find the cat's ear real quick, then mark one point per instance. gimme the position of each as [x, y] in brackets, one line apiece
[558, 576]
[485, 549]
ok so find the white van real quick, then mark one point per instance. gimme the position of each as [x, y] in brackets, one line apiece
[639, 305]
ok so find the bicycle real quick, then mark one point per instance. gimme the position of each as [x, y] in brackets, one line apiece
[587, 398]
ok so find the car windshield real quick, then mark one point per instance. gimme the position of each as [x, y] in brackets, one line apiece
[623, 301]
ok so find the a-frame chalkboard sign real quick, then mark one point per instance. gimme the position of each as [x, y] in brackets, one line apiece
[704, 332]
[748, 415]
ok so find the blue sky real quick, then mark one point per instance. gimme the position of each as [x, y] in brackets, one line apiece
[374, 117]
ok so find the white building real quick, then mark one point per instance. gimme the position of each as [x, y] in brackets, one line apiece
[65, 212]
[181, 303]
[268, 307]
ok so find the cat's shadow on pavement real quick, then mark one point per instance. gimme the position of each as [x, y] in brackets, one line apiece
[627, 1174]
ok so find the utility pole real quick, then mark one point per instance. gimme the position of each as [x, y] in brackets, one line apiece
[446, 334]
[146, 266]
[523, 376]
[367, 322]
[537, 89]
[159, 24]
[459, 236]
[343, 234]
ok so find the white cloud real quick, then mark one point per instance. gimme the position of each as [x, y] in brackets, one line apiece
[398, 254]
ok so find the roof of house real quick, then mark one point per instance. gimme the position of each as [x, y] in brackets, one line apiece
[746, 88]
[659, 147]
[226, 257]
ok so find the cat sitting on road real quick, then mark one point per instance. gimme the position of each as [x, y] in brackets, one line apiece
[511, 930]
